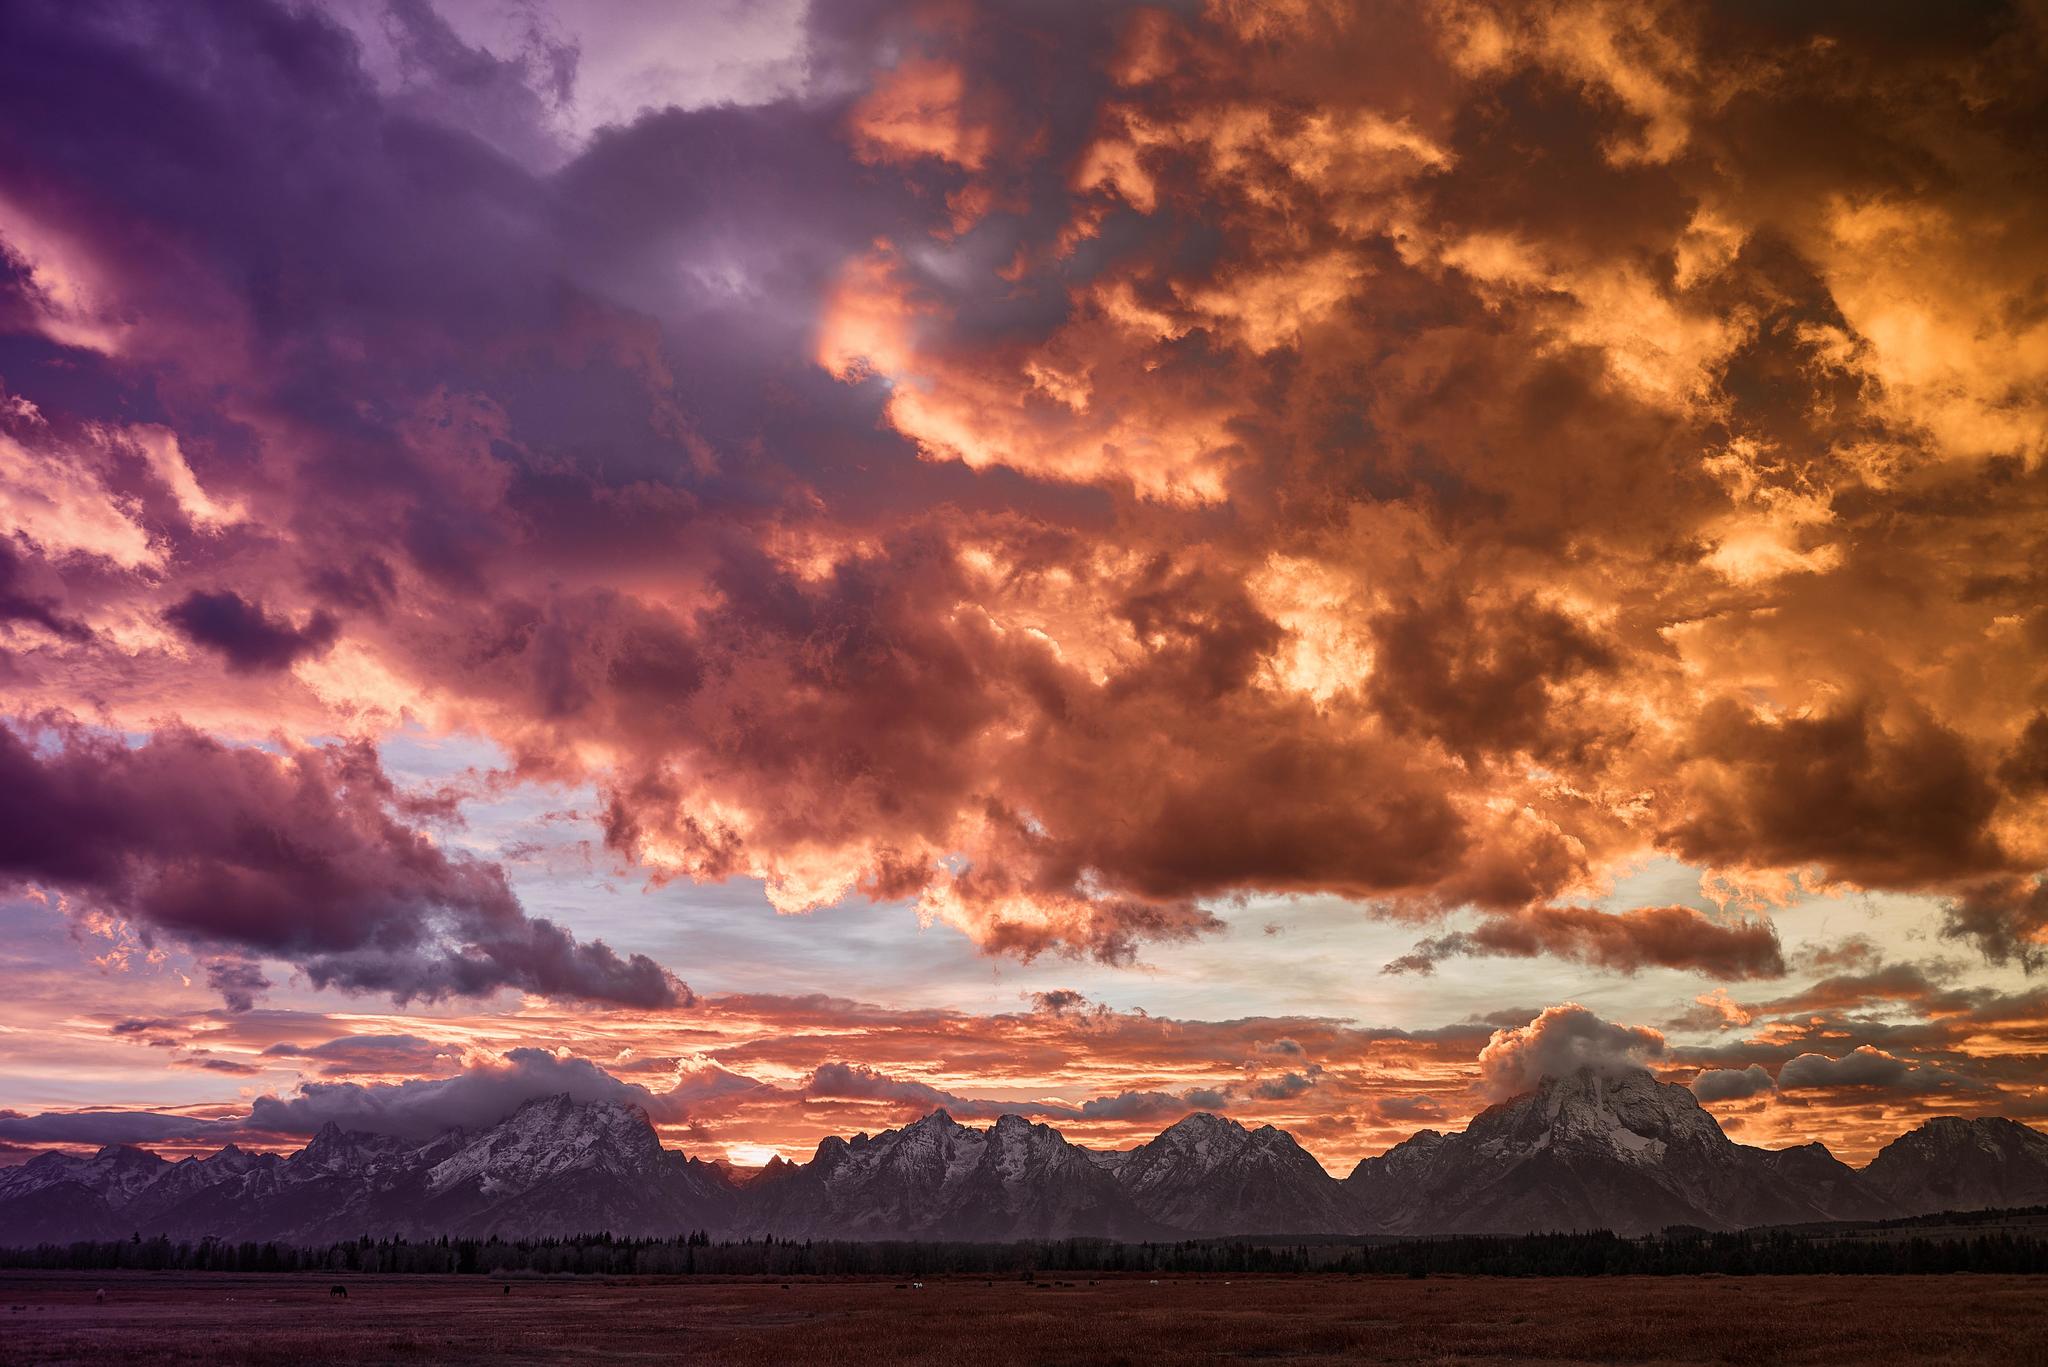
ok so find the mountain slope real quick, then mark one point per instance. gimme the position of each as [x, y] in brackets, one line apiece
[939, 1179]
[1954, 1164]
[547, 1169]
[1595, 1150]
[555, 1166]
[57, 1197]
[1210, 1175]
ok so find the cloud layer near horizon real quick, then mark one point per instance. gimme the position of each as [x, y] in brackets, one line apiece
[1862, 1095]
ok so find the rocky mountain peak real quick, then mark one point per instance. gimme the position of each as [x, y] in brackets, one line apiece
[1965, 1164]
[1202, 1123]
[549, 1136]
[1628, 1113]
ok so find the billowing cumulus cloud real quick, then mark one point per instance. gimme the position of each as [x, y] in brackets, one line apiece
[421, 1107]
[1559, 1042]
[1732, 1084]
[1863, 1067]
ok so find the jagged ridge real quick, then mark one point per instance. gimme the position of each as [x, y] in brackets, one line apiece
[1593, 1150]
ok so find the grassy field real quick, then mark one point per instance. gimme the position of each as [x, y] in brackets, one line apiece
[180, 1318]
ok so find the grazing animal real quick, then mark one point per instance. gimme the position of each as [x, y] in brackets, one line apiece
[339, 1290]
[508, 1290]
[99, 1297]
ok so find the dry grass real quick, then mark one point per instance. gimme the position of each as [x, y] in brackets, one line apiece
[176, 1319]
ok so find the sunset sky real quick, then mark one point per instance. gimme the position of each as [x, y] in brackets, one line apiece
[799, 564]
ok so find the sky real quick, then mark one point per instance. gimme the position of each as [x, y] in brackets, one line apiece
[798, 564]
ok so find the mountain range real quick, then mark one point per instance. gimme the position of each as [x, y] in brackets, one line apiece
[1591, 1150]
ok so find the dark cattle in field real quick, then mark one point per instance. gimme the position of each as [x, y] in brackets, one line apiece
[338, 1290]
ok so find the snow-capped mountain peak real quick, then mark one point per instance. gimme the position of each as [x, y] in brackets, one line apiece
[547, 1137]
[1593, 1149]
[117, 1173]
[1208, 1172]
[1629, 1115]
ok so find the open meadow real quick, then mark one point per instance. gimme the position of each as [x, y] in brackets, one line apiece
[204, 1320]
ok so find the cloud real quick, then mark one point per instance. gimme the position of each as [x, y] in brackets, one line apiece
[1285, 1086]
[19, 603]
[1064, 502]
[142, 1025]
[303, 856]
[1559, 1042]
[1402, 1110]
[1930, 988]
[104, 1127]
[1142, 1107]
[857, 1082]
[419, 1108]
[370, 1053]
[249, 639]
[1882, 801]
[238, 981]
[1663, 937]
[1732, 1084]
[2006, 918]
[1864, 1067]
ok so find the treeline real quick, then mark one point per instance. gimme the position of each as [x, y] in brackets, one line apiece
[1674, 1253]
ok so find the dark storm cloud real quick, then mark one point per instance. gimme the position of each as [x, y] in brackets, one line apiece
[301, 856]
[1876, 799]
[2006, 918]
[1483, 684]
[248, 638]
[1662, 937]
[1732, 1084]
[1150, 1107]
[1866, 1067]
[238, 981]
[104, 1127]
